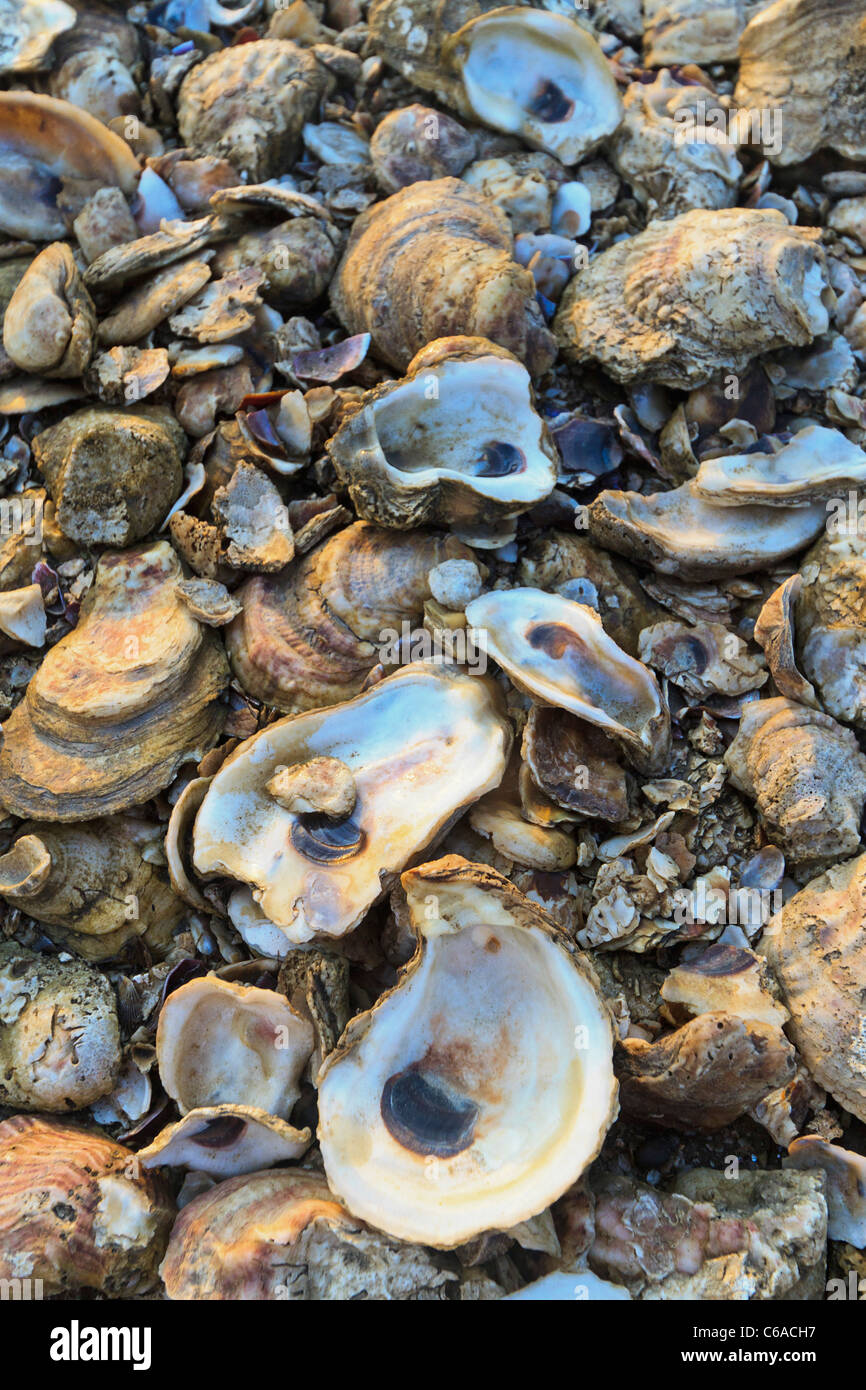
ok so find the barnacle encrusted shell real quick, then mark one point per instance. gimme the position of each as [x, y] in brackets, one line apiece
[817, 947]
[98, 891]
[702, 291]
[560, 654]
[112, 473]
[75, 1212]
[120, 702]
[679, 533]
[455, 443]
[309, 636]
[29, 28]
[480, 1087]
[817, 464]
[60, 1041]
[422, 745]
[806, 774]
[50, 320]
[691, 31]
[803, 60]
[248, 103]
[283, 1235]
[830, 619]
[435, 260]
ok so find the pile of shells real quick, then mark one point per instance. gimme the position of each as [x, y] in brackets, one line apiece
[433, 649]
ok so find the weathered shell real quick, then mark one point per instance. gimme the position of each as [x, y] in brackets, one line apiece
[456, 442]
[802, 61]
[650, 307]
[807, 776]
[574, 764]
[225, 1141]
[308, 637]
[817, 464]
[93, 65]
[726, 979]
[119, 703]
[816, 946]
[432, 261]
[417, 142]
[704, 659]
[112, 473]
[560, 654]
[283, 1235]
[60, 1043]
[846, 1185]
[98, 891]
[260, 131]
[49, 322]
[75, 1213]
[148, 304]
[422, 745]
[830, 618]
[481, 1086]
[775, 632]
[29, 28]
[695, 31]
[22, 615]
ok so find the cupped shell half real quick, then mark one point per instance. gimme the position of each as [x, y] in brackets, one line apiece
[479, 1088]
[818, 464]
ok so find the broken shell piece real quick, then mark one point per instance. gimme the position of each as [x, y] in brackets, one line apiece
[147, 305]
[831, 619]
[282, 86]
[774, 631]
[704, 1075]
[574, 764]
[220, 1043]
[76, 1213]
[846, 1185]
[22, 615]
[60, 1044]
[560, 654]
[818, 464]
[537, 847]
[678, 533]
[48, 145]
[104, 221]
[29, 28]
[454, 583]
[434, 260]
[223, 309]
[508, 1115]
[691, 31]
[648, 308]
[174, 240]
[177, 844]
[49, 322]
[225, 1141]
[120, 702]
[126, 374]
[209, 602]
[283, 1235]
[726, 979]
[254, 520]
[816, 946]
[24, 868]
[456, 442]
[322, 784]
[706, 659]
[416, 142]
[807, 776]
[99, 891]
[422, 745]
[800, 68]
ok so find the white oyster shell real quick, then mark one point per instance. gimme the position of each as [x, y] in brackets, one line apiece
[818, 464]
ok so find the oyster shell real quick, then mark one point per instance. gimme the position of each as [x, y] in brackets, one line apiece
[689, 31]
[649, 309]
[774, 631]
[50, 320]
[225, 1141]
[704, 659]
[830, 617]
[421, 745]
[29, 28]
[481, 1086]
[818, 464]
[434, 260]
[846, 1185]
[457, 442]
[75, 1213]
[560, 654]
[726, 979]
[816, 947]
[574, 764]
[417, 142]
[120, 702]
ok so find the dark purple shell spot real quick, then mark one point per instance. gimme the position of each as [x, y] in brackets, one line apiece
[426, 1116]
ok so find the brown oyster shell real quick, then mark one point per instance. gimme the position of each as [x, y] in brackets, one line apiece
[774, 631]
[50, 320]
[703, 659]
[75, 1214]
[120, 702]
[574, 764]
[29, 28]
[830, 617]
[417, 142]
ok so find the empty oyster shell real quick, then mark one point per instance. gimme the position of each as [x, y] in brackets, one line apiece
[29, 28]
[60, 1044]
[817, 464]
[422, 745]
[481, 1086]
[690, 31]
[807, 776]
[559, 653]
[705, 659]
[774, 630]
[283, 1235]
[648, 308]
[816, 946]
[846, 1185]
[726, 979]
[831, 623]
[574, 764]
[75, 1213]
[435, 260]
[456, 442]
[225, 1141]
[49, 322]
[119, 703]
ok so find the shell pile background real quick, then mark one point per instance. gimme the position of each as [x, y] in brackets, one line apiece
[433, 649]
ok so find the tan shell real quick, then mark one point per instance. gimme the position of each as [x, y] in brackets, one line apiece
[480, 1087]
[803, 59]
[703, 659]
[695, 31]
[830, 616]
[726, 979]
[150, 303]
[422, 745]
[308, 637]
[702, 291]
[120, 702]
[29, 28]
[432, 261]
[49, 322]
[93, 66]
[816, 465]
[112, 473]
[817, 948]
[846, 1185]
[574, 764]
[22, 615]
[283, 1235]
[60, 1043]
[456, 442]
[774, 631]
[807, 776]
[75, 1213]
[560, 654]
